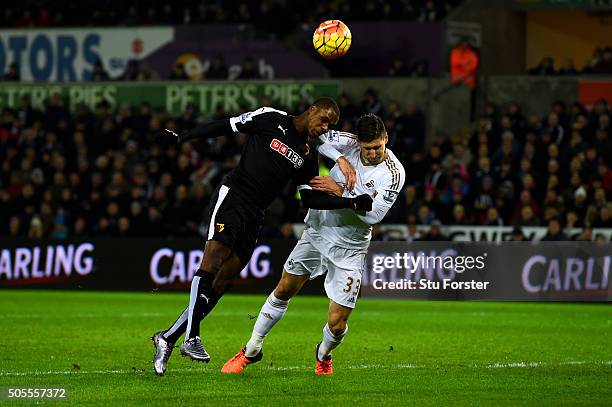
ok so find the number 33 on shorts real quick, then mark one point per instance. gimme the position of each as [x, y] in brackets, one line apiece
[349, 285]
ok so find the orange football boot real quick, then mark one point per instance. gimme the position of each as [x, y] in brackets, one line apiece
[323, 366]
[237, 363]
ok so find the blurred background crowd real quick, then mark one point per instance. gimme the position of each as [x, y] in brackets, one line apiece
[267, 13]
[98, 172]
[94, 171]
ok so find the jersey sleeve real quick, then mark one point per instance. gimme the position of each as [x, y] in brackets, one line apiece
[386, 193]
[307, 172]
[252, 122]
[337, 143]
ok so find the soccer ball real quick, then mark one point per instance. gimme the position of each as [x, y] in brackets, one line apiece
[332, 39]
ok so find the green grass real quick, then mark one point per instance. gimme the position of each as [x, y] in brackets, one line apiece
[396, 353]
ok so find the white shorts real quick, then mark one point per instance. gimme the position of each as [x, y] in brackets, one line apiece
[312, 255]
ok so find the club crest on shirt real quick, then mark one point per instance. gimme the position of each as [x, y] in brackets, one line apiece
[219, 227]
[333, 136]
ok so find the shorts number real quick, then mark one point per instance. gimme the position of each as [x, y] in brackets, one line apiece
[357, 287]
[349, 285]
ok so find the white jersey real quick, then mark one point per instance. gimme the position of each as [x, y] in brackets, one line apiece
[383, 182]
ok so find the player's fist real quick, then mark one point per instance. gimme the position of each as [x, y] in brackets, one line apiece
[362, 203]
[167, 138]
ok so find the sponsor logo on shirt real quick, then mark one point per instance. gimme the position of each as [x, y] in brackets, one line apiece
[287, 152]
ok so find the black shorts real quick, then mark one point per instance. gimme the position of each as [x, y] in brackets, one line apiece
[234, 223]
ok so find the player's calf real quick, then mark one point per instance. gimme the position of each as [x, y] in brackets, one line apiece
[332, 338]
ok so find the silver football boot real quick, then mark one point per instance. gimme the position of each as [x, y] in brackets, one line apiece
[193, 348]
[163, 350]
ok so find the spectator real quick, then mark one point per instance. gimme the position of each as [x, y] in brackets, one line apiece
[435, 233]
[99, 74]
[420, 69]
[603, 219]
[430, 12]
[412, 233]
[493, 218]
[399, 68]
[218, 69]
[554, 232]
[12, 73]
[178, 73]
[147, 73]
[36, 228]
[459, 216]
[249, 70]
[604, 65]
[464, 62]
[567, 68]
[544, 68]
[517, 235]
[371, 102]
[600, 238]
[132, 70]
[527, 217]
[586, 235]
[458, 161]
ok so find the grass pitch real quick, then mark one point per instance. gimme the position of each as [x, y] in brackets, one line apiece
[396, 353]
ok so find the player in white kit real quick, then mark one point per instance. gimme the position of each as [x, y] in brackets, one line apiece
[334, 241]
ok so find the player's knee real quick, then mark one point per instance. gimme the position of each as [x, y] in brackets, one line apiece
[337, 327]
[215, 256]
[282, 293]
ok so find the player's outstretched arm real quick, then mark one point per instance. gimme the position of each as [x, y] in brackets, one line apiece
[321, 200]
[215, 128]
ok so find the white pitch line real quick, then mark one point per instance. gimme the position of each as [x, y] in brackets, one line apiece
[285, 368]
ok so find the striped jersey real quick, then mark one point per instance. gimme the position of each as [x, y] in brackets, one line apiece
[383, 182]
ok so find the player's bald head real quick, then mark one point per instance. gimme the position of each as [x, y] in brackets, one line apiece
[327, 103]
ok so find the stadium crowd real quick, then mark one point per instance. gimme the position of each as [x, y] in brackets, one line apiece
[99, 173]
[268, 14]
[600, 63]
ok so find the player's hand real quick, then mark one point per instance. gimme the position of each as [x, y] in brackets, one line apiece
[327, 185]
[167, 138]
[362, 203]
[349, 172]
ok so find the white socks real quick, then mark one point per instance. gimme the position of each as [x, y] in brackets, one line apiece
[330, 341]
[271, 312]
